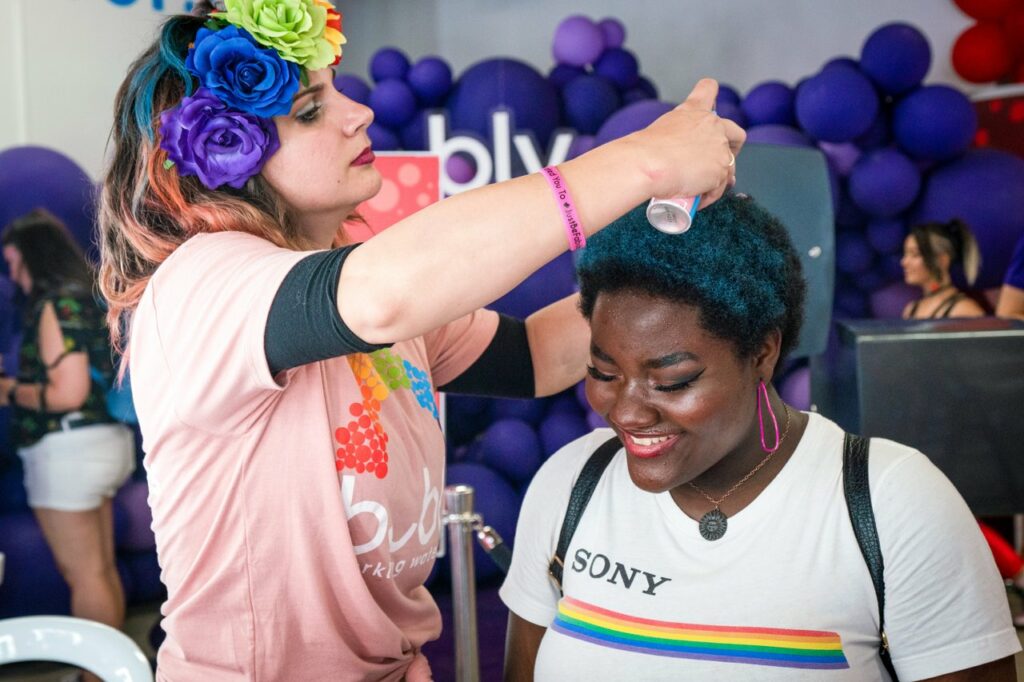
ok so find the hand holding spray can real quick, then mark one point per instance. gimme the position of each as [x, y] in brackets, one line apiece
[675, 215]
[672, 216]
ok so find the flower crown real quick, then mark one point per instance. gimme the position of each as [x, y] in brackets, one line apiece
[249, 59]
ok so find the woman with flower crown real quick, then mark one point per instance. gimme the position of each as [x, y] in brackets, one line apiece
[283, 376]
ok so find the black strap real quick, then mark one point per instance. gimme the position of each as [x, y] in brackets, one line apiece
[862, 516]
[578, 500]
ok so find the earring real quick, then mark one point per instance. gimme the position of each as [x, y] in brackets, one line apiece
[762, 397]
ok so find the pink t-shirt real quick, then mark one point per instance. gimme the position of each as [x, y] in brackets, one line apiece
[296, 519]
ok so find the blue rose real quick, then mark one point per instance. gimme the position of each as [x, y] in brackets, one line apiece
[243, 74]
[221, 146]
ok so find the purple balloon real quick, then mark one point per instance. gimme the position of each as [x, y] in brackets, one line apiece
[561, 428]
[644, 89]
[13, 497]
[891, 266]
[896, 57]
[578, 41]
[414, 133]
[769, 103]
[562, 74]
[552, 282]
[727, 93]
[613, 31]
[879, 134]
[853, 255]
[848, 62]
[619, 66]
[511, 447]
[580, 391]
[581, 144]
[388, 63]
[37, 177]
[889, 301]
[841, 156]
[778, 134]
[32, 584]
[383, 138]
[632, 118]
[733, 112]
[460, 168]
[984, 188]
[872, 280]
[849, 214]
[589, 101]
[935, 122]
[530, 411]
[886, 235]
[796, 388]
[851, 303]
[837, 105]
[507, 83]
[393, 103]
[594, 421]
[145, 576]
[431, 80]
[884, 183]
[353, 87]
[565, 403]
[132, 500]
[495, 500]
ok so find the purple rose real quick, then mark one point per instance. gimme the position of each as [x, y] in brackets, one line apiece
[203, 137]
[247, 76]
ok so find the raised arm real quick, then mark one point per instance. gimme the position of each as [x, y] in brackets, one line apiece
[466, 251]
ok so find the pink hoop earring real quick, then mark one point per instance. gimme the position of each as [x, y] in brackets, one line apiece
[762, 396]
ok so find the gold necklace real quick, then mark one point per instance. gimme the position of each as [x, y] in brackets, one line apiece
[714, 523]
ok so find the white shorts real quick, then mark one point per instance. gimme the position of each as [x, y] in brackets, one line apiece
[74, 470]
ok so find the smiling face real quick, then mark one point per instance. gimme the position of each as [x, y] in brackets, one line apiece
[324, 167]
[679, 398]
[915, 271]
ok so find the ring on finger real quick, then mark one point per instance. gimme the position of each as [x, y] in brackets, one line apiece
[732, 160]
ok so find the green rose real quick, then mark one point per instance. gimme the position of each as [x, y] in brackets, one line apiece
[295, 28]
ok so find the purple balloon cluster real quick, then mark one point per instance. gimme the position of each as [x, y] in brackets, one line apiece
[401, 94]
[898, 154]
[595, 74]
[497, 446]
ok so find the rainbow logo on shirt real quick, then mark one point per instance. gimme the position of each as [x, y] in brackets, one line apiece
[363, 441]
[776, 647]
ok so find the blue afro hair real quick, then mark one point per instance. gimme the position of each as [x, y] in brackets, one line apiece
[736, 265]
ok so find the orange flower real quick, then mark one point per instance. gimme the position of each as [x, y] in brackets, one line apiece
[332, 31]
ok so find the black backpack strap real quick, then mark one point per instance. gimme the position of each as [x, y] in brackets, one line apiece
[578, 500]
[862, 516]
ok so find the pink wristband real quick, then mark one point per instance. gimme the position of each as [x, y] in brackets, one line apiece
[570, 218]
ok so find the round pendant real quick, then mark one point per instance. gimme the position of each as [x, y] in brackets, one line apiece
[713, 525]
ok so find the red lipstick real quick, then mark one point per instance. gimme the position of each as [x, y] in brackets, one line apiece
[366, 157]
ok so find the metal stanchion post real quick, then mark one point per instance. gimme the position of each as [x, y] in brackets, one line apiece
[460, 519]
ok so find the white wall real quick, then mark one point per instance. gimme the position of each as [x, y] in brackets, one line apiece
[61, 61]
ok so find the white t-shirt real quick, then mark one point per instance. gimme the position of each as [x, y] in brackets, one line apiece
[785, 594]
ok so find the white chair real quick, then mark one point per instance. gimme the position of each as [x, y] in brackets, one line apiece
[98, 648]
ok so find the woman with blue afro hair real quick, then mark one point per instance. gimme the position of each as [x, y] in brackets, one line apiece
[707, 533]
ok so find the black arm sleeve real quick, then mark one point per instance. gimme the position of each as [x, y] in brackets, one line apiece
[303, 325]
[504, 370]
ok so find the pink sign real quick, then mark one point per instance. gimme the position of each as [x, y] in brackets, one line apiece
[411, 181]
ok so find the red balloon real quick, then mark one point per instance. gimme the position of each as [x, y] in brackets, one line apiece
[1013, 26]
[985, 9]
[982, 54]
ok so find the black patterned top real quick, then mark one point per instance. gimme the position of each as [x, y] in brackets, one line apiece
[83, 324]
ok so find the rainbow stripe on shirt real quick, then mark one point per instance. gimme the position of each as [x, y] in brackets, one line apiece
[812, 649]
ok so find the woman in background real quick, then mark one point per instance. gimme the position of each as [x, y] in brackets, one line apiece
[74, 455]
[929, 252]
